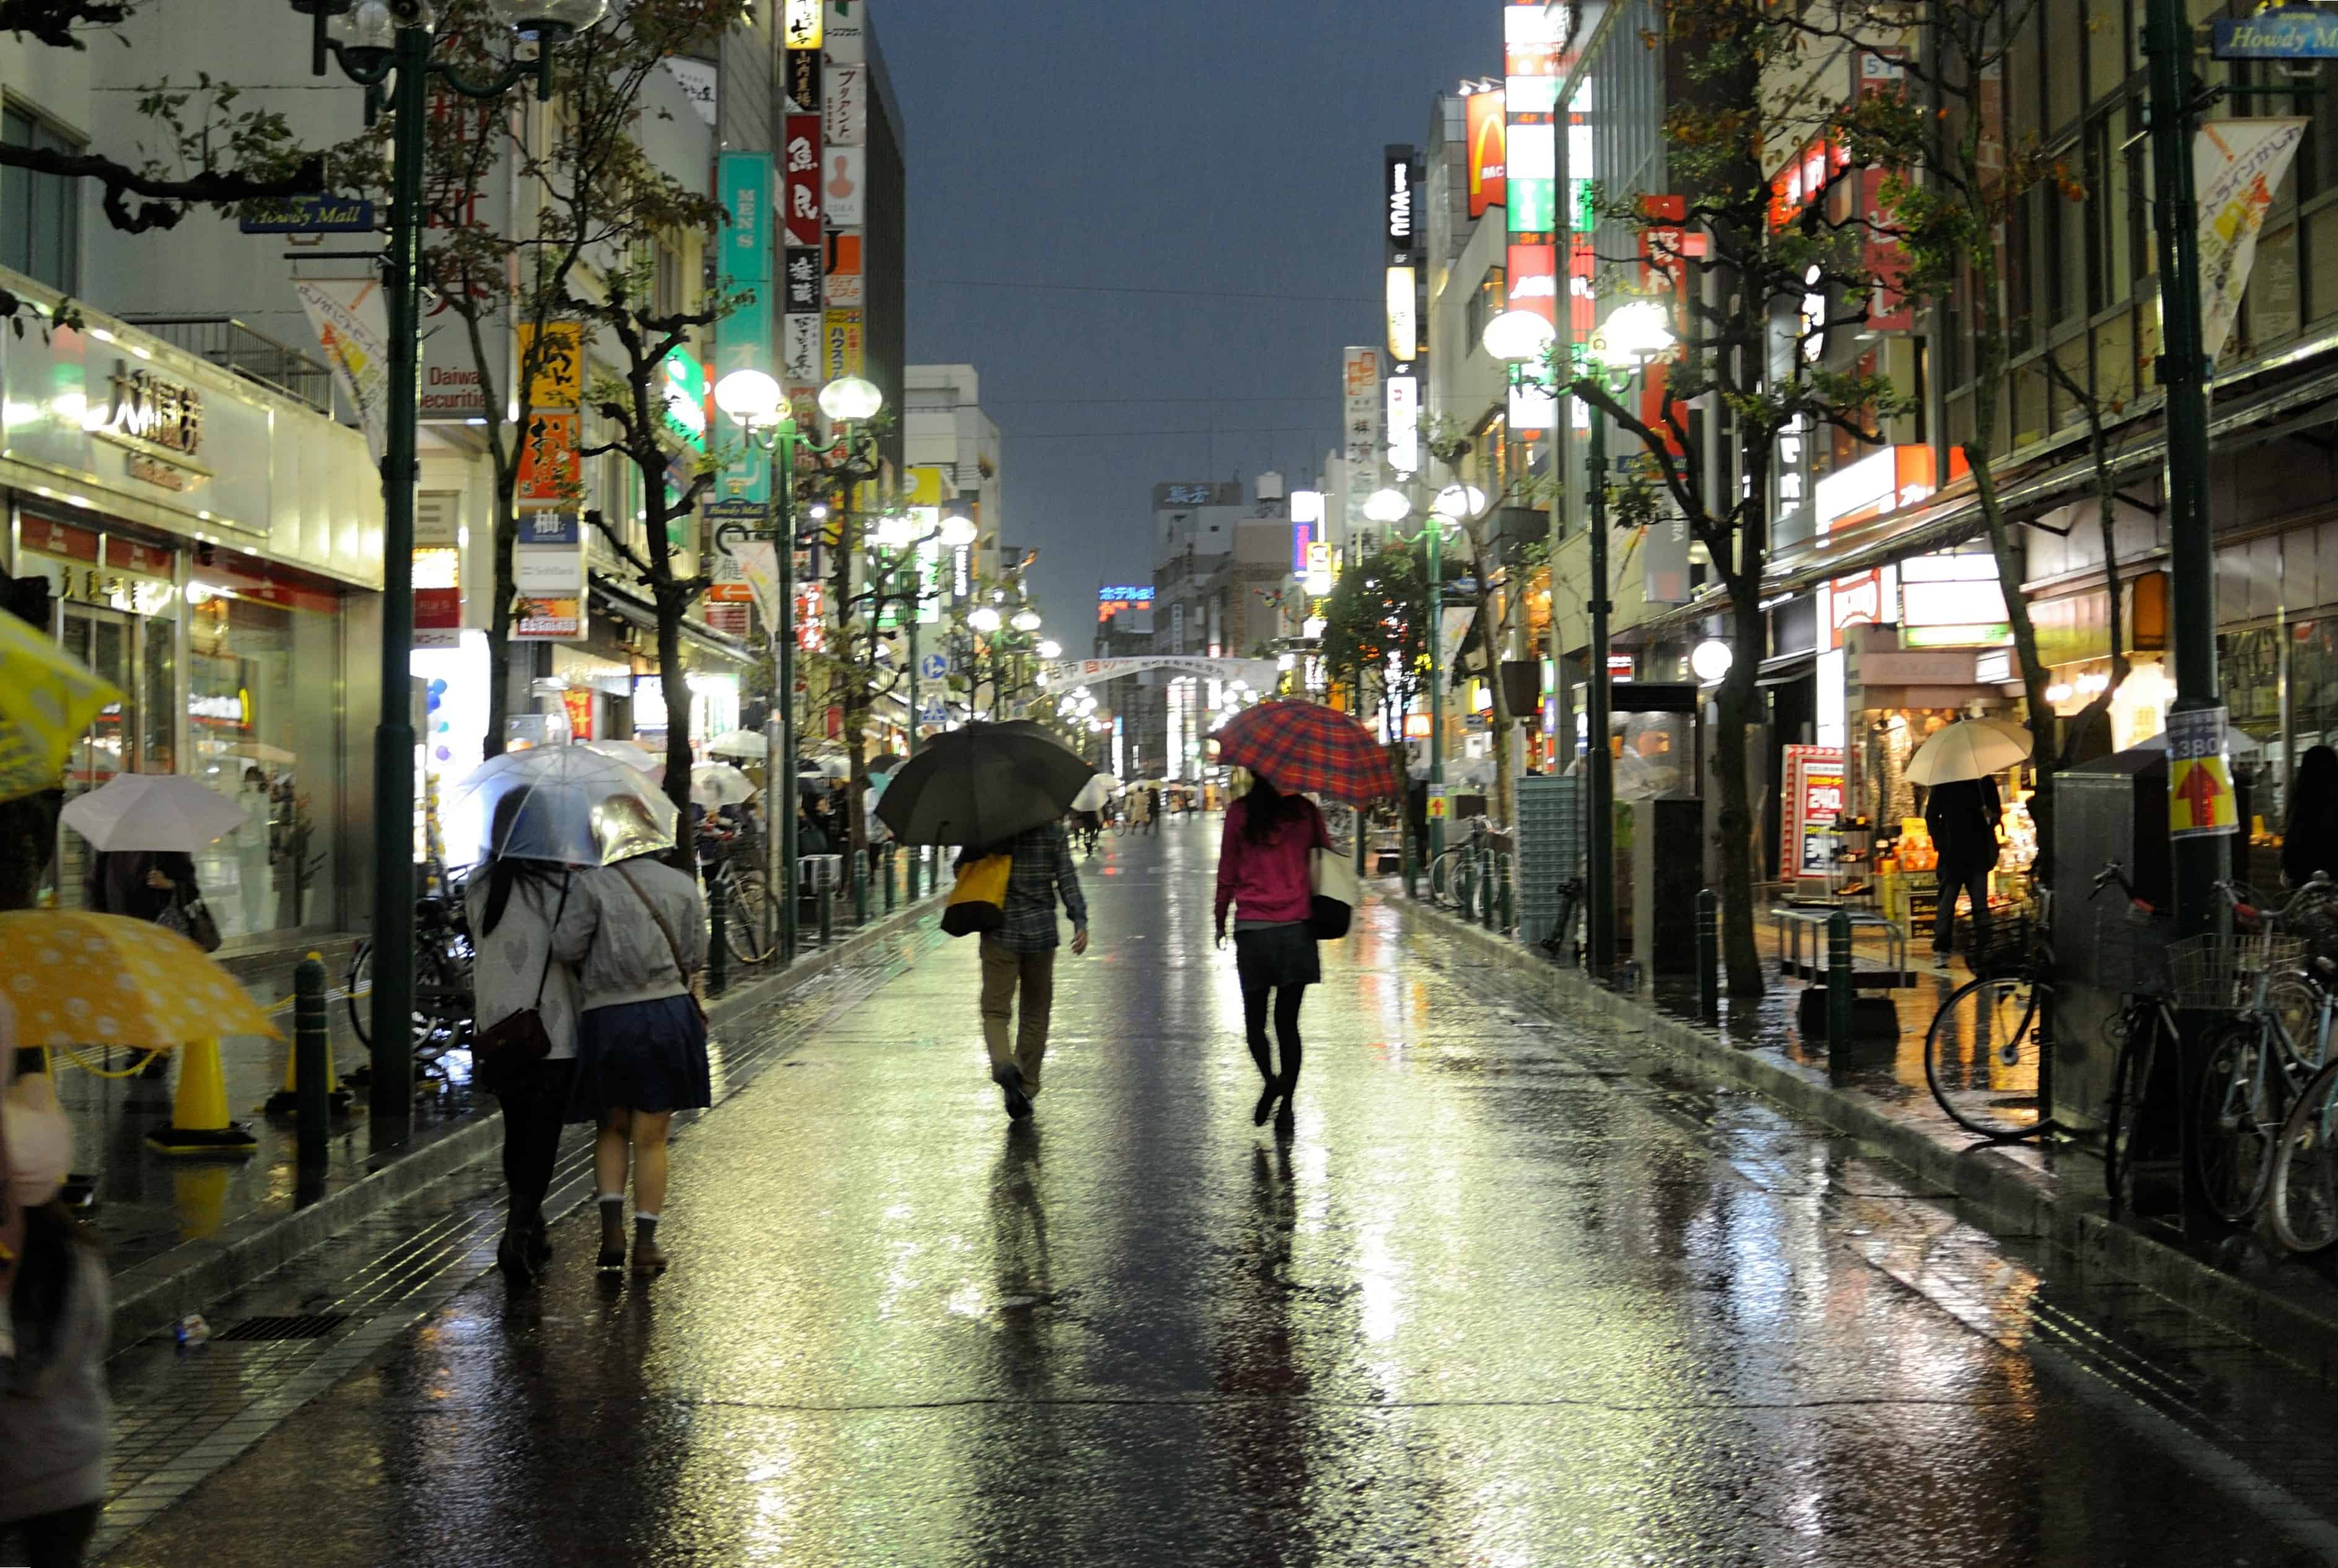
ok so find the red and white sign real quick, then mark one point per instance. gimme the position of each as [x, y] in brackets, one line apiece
[1856, 602]
[800, 170]
[1483, 113]
[1813, 800]
[1533, 272]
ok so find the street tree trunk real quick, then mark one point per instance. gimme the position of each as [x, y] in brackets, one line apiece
[1731, 768]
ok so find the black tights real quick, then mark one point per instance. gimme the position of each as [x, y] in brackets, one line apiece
[534, 1098]
[1287, 999]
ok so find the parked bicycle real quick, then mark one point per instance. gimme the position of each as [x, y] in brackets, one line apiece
[2133, 959]
[1454, 876]
[443, 1003]
[1986, 1044]
[2257, 1064]
[726, 859]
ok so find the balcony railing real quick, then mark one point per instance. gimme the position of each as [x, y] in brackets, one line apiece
[251, 354]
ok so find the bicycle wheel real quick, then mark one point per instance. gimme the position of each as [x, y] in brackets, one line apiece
[1982, 1051]
[2233, 1121]
[2302, 1192]
[1440, 878]
[2130, 1080]
[743, 915]
[361, 993]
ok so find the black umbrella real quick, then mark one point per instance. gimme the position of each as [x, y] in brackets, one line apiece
[980, 784]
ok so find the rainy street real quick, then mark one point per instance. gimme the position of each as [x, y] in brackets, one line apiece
[1515, 1293]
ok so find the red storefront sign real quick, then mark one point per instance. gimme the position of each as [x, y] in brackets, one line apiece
[54, 538]
[1488, 129]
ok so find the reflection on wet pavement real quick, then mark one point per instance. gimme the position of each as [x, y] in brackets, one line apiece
[1514, 1294]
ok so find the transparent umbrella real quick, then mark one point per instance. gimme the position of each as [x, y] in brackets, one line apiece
[631, 754]
[714, 784]
[560, 803]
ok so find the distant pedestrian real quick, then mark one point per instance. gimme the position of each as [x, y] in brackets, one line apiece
[2309, 841]
[638, 929]
[515, 905]
[1961, 817]
[1020, 957]
[53, 1415]
[1152, 809]
[1264, 866]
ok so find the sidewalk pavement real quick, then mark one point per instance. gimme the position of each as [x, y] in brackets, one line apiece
[180, 1231]
[2244, 1282]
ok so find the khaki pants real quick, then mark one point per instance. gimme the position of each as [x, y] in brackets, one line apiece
[1002, 970]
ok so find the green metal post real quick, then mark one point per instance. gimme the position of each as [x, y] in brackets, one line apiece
[1598, 779]
[2184, 376]
[311, 1060]
[392, 1101]
[783, 766]
[1436, 683]
[1486, 885]
[1708, 955]
[717, 947]
[1837, 981]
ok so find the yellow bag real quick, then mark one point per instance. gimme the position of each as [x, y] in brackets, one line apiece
[977, 901]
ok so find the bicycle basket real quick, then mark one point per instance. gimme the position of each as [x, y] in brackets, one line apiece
[2131, 954]
[2219, 973]
[2006, 952]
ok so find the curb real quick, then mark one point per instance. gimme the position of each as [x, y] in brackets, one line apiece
[1996, 1191]
[149, 1297]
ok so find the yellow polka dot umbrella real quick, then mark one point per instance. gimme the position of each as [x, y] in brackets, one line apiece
[47, 700]
[76, 979]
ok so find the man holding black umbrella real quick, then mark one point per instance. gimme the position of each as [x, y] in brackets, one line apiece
[1020, 956]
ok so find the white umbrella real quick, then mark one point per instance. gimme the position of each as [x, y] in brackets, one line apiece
[1969, 748]
[153, 811]
[738, 744]
[565, 803]
[631, 754]
[1096, 794]
[718, 784]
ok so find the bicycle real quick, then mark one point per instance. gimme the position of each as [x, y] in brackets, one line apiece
[2254, 1068]
[1986, 1048]
[746, 894]
[1453, 874]
[2135, 956]
[442, 953]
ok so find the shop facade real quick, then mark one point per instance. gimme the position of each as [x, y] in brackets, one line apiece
[211, 547]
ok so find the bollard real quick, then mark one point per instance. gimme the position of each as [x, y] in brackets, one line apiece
[1509, 912]
[312, 1059]
[1837, 981]
[1708, 955]
[859, 858]
[825, 892]
[1411, 871]
[718, 951]
[1486, 886]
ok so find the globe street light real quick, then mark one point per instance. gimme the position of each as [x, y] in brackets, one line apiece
[849, 399]
[1026, 620]
[1388, 506]
[958, 531]
[1518, 337]
[386, 43]
[1050, 649]
[984, 619]
[1634, 333]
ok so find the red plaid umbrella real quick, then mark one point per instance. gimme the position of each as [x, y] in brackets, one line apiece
[1305, 746]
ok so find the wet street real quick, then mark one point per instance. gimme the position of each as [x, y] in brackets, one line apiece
[1516, 1293]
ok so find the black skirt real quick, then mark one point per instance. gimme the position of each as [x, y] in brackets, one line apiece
[1277, 955]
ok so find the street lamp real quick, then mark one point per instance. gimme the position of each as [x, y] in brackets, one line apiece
[1518, 337]
[753, 401]
[984, 619]
[1634, 333]
[378, 44]
[849, 400]
[1026, 620]
[1050, 649]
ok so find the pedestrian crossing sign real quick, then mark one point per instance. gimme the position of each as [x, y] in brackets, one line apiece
[2200, 799]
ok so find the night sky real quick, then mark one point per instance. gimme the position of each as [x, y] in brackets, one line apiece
[1219, 146]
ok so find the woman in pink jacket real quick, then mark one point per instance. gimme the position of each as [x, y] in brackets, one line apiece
[1264, 877]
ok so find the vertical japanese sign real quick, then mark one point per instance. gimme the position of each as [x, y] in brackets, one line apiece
[799, 77]
[800, 161]
[844, 286]
[742, 340]
[352, 327]
[1359, 389]
[800, 25]
[840, 345]
[799, 288]
[548, 570]
[844, 185]
[2241, 165]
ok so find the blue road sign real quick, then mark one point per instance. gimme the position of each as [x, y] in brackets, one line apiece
[309, 215]
[933, 713]
[933, 667]
[2284, 33]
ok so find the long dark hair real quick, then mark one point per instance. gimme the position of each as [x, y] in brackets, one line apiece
[2313, 794]
[506, 872]
[1266, 808]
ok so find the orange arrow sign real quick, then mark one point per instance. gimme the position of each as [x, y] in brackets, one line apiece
[2199, 791]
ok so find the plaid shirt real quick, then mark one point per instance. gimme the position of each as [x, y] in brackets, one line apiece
[1042, 868]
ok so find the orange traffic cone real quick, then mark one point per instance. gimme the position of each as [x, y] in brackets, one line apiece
[198, 1123]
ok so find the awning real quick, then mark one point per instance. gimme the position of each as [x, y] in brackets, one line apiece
[638, 610]
[1954, 517]
[1787, 669]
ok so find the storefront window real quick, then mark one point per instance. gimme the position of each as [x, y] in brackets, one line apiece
[264, 730]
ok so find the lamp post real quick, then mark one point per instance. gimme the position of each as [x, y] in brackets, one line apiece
[754, 402]
[379, 45]
[894, 550]
[1390, 507]
[1634, 333]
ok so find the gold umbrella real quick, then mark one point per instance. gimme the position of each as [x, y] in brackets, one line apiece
[47, 700]
[77, 978]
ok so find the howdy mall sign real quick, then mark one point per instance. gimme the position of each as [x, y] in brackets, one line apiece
[2287, 33]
